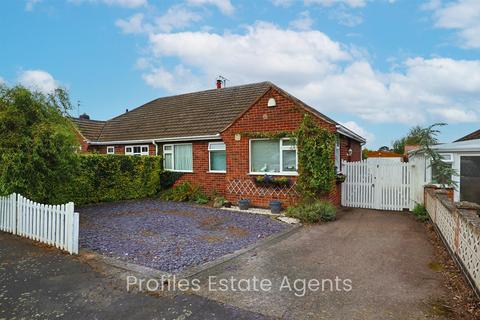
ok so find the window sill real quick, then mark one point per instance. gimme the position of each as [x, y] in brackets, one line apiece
[291, 174]
[183, 171]
[217, 172]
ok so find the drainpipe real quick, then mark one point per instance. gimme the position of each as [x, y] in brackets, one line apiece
[156, 147]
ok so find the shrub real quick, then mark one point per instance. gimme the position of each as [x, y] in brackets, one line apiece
[420, 212]
[168, 179]
[38, 144]
[104, 178]
[218, 202]
[313, 212]
[185, 191]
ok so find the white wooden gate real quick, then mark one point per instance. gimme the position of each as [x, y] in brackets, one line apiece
[383, 185]
[54, 225]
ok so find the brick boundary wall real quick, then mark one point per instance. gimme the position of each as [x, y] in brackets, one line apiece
[458, 225]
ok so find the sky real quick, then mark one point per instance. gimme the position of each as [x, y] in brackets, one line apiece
[378, 67]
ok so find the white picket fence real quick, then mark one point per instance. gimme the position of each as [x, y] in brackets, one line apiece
[53, 225]
[384, 185]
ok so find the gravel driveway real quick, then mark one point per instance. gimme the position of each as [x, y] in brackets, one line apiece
[169, 236]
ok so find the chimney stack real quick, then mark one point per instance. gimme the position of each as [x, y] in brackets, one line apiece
[84, 116]
[219, 83]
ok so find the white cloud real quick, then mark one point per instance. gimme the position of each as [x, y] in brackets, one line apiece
[225, 6]
[303, 22]
[460, 15]
[329, 3]
[38, 80]
[346, 18]
[320, 71]
[134, 24]
[120, 3]
[2, 81]
[282, 3]
[176, 17]
[456, 115]
[352, 125]
[30, 4]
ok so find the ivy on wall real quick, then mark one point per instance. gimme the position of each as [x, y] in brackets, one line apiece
[316, 165]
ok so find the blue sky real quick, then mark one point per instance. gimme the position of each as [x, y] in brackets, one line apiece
[378, 66]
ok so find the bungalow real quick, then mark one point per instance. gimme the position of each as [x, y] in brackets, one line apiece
[463, 155]
[208, 136]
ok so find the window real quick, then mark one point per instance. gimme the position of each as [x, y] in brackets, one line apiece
[447, 158]
[338, 160]
[273, 156]
[178, 157]
[217, 157]
[110, 150]
[137, 150]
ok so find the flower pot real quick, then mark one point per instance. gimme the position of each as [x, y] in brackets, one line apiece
[275, 207]
[244, 204]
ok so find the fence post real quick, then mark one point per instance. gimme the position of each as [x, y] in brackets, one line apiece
[76, 224]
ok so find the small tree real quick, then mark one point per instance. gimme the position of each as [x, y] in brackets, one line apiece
[37, 144]
[427, 138]
[316, 169]
[412, 138]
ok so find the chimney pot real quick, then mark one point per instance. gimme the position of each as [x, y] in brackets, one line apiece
[219, 84]
[84, 116]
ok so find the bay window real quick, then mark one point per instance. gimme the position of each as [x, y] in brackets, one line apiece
[137, 150]
[217, 157]
[273, 156]
[178, 157]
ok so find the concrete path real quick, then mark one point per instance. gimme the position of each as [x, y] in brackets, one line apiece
[385, 255]
[42, 283]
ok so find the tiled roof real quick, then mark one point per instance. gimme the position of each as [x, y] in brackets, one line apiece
[90, 129]
[471, 136]
[201, 113]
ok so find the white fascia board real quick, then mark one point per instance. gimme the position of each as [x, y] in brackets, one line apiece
[172, 139]
[349, 133]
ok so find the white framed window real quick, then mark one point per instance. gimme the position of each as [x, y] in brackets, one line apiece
[137, 150]
[178, 157]
[446, 157]
[338, 158]
[273, 156]
[217, 157]
[111, 150]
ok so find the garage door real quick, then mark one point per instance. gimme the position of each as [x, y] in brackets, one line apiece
[470, 179]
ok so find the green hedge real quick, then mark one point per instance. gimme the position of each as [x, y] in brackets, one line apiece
[103, 178]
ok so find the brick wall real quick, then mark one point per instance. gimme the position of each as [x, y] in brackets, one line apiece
[286, 116]
[209, 181]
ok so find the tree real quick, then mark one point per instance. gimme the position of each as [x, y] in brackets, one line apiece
[365, 152]
[412, 138]
[37, 144]
[426, 139]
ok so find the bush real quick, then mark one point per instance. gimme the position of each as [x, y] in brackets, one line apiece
[104, 178]
[313, 212]
[420, 212]
[168, 179]
[38, 144]
[185, 191]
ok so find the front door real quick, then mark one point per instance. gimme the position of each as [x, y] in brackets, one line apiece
[470, 178]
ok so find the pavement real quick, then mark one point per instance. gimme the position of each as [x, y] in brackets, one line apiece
[385, 255]
[38, 282]
[368, 264]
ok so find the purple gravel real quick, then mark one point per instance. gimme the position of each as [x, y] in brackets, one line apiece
[169, 236]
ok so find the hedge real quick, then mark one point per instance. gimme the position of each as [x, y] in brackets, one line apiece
[104, 178]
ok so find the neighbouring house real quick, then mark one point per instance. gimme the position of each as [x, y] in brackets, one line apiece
[464, 157]
[383, 155]
[207, 136]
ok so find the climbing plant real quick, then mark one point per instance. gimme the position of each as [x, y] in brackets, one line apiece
[316, 165]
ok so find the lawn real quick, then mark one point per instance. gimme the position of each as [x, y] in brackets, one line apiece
[169, 236]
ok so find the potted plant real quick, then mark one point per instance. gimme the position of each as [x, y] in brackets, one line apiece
[275, 206]
[269, 181]
[244, 204]
[340, 177]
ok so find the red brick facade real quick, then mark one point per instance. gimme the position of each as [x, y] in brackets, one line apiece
[237, 183]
